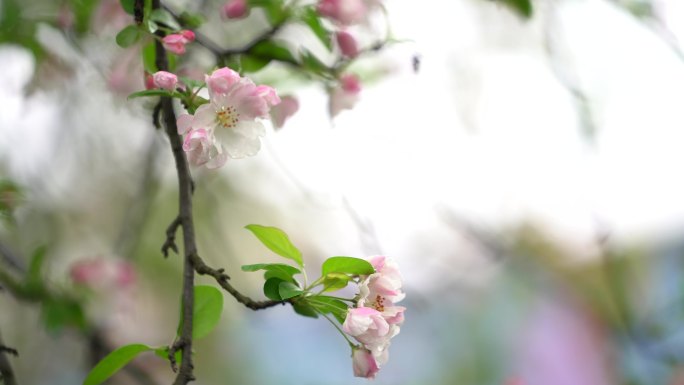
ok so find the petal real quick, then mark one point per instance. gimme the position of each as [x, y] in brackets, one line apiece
[184, 123]
[205, 117]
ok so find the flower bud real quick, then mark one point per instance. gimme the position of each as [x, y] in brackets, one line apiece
[188, 35]
[347, 44]
[165, 80]
[235, 9]
[175, 43]
[364, 363]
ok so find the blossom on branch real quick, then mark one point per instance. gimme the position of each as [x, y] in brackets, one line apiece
[344, 12]
[375, 320]
[229, 125]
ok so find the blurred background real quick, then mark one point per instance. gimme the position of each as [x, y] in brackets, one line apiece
[523, 171]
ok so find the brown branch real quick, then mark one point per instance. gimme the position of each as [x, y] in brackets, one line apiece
[170, 242]
[222, 279]
[184, 342]
[6, 372]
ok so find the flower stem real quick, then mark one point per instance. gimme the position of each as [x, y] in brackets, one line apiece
[338, 329]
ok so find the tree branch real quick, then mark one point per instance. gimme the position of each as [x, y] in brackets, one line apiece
[222, 279]
[184, 342]
[6, 371]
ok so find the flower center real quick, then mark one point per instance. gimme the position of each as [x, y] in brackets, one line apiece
[379, 303]
[227, 117]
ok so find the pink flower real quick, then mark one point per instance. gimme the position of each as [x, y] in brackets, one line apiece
[347, 44]
[344, 12]
[288, 106]
[228, 126]
[346, 95]
[165, 80]
[103, 273]
[176, 42]
[235, 9]
[364, 363]
[367, 326]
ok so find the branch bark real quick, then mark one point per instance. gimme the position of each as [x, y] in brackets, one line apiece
[6, 371]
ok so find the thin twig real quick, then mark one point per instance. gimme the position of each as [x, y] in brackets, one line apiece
[6, 371]
[170, 242]
[222, 279]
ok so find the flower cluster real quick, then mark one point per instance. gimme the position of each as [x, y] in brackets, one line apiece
[376, 319]
[228, 126]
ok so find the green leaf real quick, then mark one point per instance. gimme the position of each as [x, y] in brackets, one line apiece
[149, 55]
[347, 265]
[277, 241]
[251, 63]
[128, 36]
[128, 6]
[163, 352]
[150, 25]
[207, 310]
[328, 305]
[113, 362]
[303, 308]
[192, 20]
[272, 50]
[34, 276]
[335, 281]
[274, 270]
[62, 312]
[275, 12]
[272, 288]
[311, 62]
[288, 290]
[155, 92]
[522, 7]
[311, 18]
[163, 16]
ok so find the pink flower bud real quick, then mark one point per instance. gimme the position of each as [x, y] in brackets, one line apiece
[350, 83]
[175, 43]
[288, 106]
[188, 35]
[347, 44]
[235, 9]
[221, 80]
[364, 363]
[149, 82]
[165, 80]
[268, 94]
[345, 12]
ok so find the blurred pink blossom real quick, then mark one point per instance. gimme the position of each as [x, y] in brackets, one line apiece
[347, 44]
[235, 9]
[287, 107]
[344, 12]
[103, 273]
[345, 96]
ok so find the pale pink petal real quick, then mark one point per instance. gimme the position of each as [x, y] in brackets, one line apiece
[184, 123]
[269, 94]
[205, 117]
[283, 111]
[221, 80]
[364, 363]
